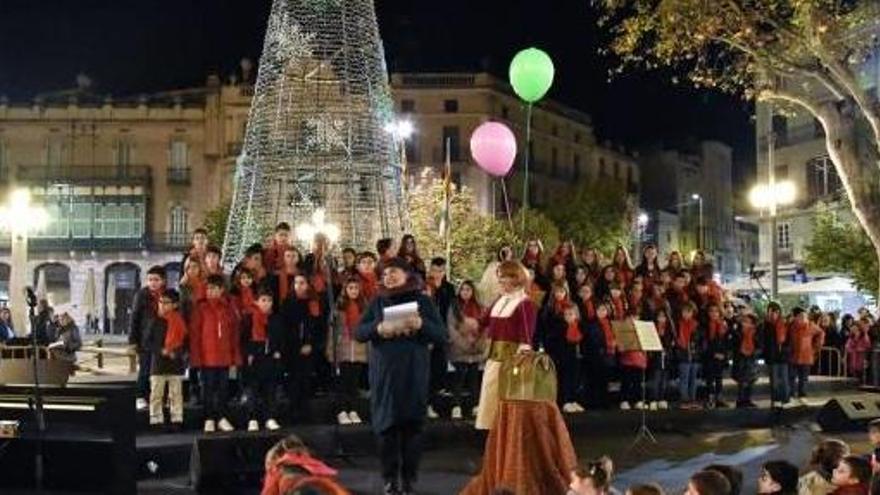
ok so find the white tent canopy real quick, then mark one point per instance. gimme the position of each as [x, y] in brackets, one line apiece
[826, 285]
[746, 284]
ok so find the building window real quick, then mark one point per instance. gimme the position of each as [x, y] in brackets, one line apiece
[576, 172]
[178, 222]
[450, 106]
[451, 135]
[822, 179]
[179, 154]
[616, 170]
[783, 235]
[55, 151]
[505, 112]
[407, 106]
[122, 153]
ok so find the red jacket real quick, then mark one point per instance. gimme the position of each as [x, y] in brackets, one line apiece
[214, 335]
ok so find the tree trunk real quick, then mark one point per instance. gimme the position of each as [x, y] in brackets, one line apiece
[858, 180]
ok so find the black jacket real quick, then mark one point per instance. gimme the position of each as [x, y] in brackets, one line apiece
[143, 312]
[301, 328]
[155, 338]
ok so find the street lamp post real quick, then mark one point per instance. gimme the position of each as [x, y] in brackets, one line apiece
[19, 217]
[700, 235]
[401, 130]
[771, 196]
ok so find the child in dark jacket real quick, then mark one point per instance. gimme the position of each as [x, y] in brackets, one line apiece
[559, 334]
[166, 335]
[303, 319]
[144, 310]
[747, 342]
[659, 363]
[264, 330]
[717, 346]
[689, 348]
[214, 348]
[599, 350]
[775, 351]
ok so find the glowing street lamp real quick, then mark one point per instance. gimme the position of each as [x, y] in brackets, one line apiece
[307, 231]
[700, 237]
[19, 218]
[401, 130]
[770, 196]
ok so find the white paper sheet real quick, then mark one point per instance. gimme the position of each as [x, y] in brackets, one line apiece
[401, 311]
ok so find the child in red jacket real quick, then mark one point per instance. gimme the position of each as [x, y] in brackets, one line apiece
[214, 348]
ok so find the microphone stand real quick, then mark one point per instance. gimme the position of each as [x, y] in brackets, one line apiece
[37, 401]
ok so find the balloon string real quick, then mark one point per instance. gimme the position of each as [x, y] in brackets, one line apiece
[528, 151]
[506, 203]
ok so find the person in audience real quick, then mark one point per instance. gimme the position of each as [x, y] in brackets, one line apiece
[399, 371]
[646, 489]
[590, 479]
[7, 330]
[852, 476]
[778, 477]
[166, 336]
[144, 309]
[467, 347]
[825, 458]
[68, 340]
[214, 349]
[733, 474]
[858, 344]
[708, 482]
[347, 354]
[292, 469]
[874, 439]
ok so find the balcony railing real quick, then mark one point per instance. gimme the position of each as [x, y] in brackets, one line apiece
[179, 175]
[795, 135]
[159, 241]
[103, 174]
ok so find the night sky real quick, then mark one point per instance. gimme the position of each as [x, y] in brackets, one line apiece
[129, 46]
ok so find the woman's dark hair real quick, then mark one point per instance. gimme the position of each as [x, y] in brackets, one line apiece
[710, 483]
[860, 468]
[827, 455]
[595, 471]
[734, 476]
[645, 489]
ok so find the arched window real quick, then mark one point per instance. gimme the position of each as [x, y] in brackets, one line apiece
[121, 282]
[52, 281]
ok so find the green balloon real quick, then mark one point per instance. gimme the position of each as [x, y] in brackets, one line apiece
[531, 74]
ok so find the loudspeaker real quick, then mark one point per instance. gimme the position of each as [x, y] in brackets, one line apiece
[227, 460]
[70, 465]
[849, 413]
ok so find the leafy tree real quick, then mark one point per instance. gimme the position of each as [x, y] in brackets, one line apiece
[215, 223]
[807, 55]
[475, 238]
[538, 226]
[840, 245]
[595, 214]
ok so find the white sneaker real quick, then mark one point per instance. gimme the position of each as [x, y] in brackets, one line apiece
[210, 426]
[253, 425]
[475, 411]
[225, 425]
[456, 412]
[803, 401]
[354, 417]
[652, 406]
[578, 408]
[272, 425]
[432, 414]
[640, 405]
[663, 404]
[140, 404]
[624, 406]
[343, 419]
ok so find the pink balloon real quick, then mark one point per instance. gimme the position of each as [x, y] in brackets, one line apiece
[493, 147]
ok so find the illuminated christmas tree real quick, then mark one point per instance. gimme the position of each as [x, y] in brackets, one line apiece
[316, 132]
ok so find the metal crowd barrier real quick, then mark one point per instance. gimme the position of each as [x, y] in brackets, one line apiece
[832, 362]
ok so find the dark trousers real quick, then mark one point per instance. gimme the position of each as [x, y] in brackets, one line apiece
[631, 384]
[349, 385]
[744, 373]
[713, 373]
[215, 390]
[779, 390]
[400, 450]
[658, 379]
[299, 384]
[568, 370]
[798, 374]
[466, 381]
[595, 377]
[195, 389]
[145, 361]
[439, 368]
[261, 385]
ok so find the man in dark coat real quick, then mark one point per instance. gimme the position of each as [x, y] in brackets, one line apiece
[442, 293]
[144, 310]
[399, 372]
